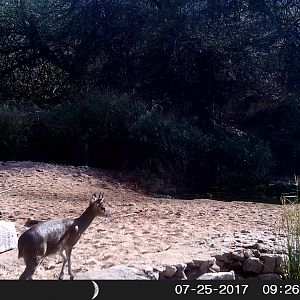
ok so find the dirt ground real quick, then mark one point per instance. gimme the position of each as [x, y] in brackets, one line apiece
[143, 229]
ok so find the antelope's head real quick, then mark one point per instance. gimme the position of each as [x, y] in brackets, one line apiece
[97, 204]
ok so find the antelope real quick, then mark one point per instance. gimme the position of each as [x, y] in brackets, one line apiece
[56, 236]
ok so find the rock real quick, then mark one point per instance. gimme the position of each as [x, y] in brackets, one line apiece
[190, 264]
[159, 269]
[268, 276]
[236, 265]
[238, 256]
[226, 257]
[218, 255]
[218, 276]
[223, 258]
[269, 261]
[169, 271]
[214, 269]
[151, 273]
[119, 272]
[180, 271]
[253, 265]
[8, 236]
[256, 253]
[205, 264]
[248, 253]
[263, 248]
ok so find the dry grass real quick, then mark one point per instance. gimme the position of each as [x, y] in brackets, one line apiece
[291, 228]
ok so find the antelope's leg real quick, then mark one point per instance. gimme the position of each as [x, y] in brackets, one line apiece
[61, 275]
[69, 252]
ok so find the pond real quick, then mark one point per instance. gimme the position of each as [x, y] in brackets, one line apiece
[269, 193]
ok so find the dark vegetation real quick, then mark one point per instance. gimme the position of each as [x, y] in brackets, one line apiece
[192, 93]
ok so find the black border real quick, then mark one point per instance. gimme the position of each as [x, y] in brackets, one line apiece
[140, 289]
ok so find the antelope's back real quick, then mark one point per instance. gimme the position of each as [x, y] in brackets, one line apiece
[45, 235]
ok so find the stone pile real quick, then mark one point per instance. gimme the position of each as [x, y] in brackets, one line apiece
[245, 264]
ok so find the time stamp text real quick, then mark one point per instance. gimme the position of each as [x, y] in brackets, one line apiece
[236, 289]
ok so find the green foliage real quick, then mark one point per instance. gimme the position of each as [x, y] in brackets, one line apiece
[204, 92]
[158, 137]
[9, 128]
[279, 125]
[91, 129]
[242, 158]
[291, 228]
[113, 131]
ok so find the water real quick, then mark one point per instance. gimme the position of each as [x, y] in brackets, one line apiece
[269, 193]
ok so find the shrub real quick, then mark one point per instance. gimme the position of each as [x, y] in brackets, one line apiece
[91, 129]
[165, 146]
[113, 131]
[291, 228]
[242, 159]
[12, 123]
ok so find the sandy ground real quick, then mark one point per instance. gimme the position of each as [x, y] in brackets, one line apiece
[143, 229]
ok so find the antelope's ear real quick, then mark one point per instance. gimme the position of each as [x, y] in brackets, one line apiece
[94, 198]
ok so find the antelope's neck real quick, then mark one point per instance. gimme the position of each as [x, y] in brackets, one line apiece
[84, 221]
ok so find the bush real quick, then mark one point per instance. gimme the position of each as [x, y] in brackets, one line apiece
[291, 227]
[92, 129]
[113, 131]
[242, 159]
[166, 146]
[12, 123]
